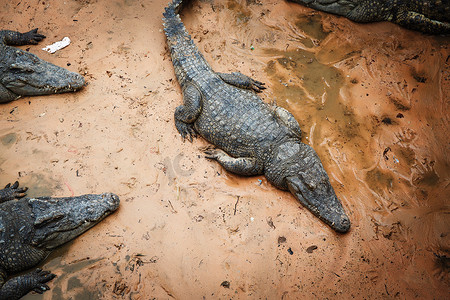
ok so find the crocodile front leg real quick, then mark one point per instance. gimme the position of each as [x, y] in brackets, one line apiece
[11, 192]
[242, 81]
[19, 286]
[185, 115]
[242, 165]
[16, 38]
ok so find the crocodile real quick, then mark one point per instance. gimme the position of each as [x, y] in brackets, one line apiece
[250, 136]
[427, 16]
[30, 228]
[24, 74]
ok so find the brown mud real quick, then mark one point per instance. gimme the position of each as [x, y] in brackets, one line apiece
[372, 100]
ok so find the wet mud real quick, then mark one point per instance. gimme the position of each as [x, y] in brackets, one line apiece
[371, 99]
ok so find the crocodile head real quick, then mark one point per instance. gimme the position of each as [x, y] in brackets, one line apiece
[59, 220]
[297, 167]
[25, 74]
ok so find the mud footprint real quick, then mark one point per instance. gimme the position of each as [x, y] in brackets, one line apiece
[425, 175]
[406, 136]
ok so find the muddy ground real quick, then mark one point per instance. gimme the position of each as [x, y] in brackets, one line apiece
[372, 100]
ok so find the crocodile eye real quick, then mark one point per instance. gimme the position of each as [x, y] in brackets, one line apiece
[307, 181]
[311, 185]
[20, 68]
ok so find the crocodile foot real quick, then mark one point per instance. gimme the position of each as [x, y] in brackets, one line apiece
[11, 192]
[256, 85]
[186, 130]
[32, 37]
[212, 153]
[39, 278]
[242, 81]
[19, 286]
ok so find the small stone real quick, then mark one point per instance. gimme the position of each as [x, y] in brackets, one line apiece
[310, 249]
[281, 239]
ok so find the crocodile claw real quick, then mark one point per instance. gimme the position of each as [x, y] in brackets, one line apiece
[211, 153]
[242, 81]
[257, 86]
[11, 192]
[33, 37]
[250, 83]
[39, 278]
[187, 131]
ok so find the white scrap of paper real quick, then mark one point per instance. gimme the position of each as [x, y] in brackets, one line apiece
[58, 45]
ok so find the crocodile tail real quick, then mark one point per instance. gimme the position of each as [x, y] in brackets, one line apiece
[175, 7]
[186, 57]
[173, 26]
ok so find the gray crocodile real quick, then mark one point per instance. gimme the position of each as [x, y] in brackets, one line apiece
[30, 228]
[428, 16]
[254, 138]
[25, 74]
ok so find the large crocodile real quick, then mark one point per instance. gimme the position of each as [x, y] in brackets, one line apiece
[30, 228]
[25, 74]
[254, 137]
[428, 16]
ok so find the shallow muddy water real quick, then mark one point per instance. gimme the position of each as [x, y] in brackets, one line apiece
[372, 100]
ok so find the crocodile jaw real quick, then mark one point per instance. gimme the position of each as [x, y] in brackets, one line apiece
[296, 167]
[28, 75]
[326, 207]
[59, 220]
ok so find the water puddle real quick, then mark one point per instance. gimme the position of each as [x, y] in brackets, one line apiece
[312, 26]
[40, 184]
[9, 139]
[311, 91]
[67, 283]
[355, 120]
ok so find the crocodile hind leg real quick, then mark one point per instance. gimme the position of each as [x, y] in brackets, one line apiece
[186, 114]
[242, 81]
[19, 286]
[288, 119]
[242, 165]
[16, 38]
[11, 192]
[419, 22]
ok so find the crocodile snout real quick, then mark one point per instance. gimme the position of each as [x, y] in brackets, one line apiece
[112, 200]
[344, 225]
[74, 81]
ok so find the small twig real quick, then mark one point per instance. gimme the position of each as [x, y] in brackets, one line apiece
[235, 205]
[173, 209]
[79, 260]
